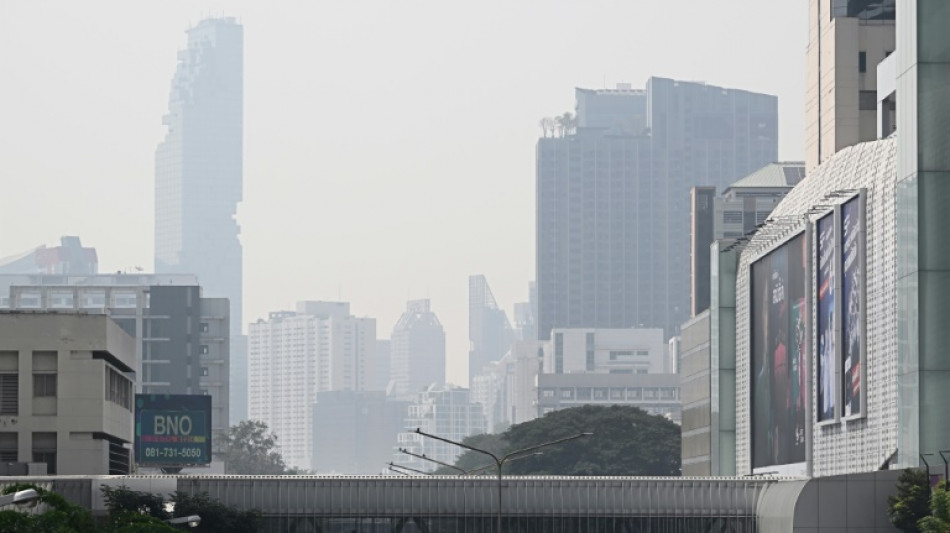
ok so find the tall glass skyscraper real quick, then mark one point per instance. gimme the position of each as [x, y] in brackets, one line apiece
[198, 173]
[613, 197]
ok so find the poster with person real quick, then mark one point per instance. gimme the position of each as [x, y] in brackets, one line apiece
[825, 283]
[852, 285]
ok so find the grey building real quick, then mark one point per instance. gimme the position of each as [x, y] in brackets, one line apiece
[65, 392]
[417, 351]
[354, 431]
[182, 339]
[70, 258]
[613, 197]
[489, 331]
[199, 174]
[657, 394]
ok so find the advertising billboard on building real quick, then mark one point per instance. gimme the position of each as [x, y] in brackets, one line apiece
[826, 330]
[779, 322]
[172, 429]
[852, 307]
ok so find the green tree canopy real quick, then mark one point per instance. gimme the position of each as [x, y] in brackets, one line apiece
[249, 448]
[912, 501]
[626, 441]
[60, 516]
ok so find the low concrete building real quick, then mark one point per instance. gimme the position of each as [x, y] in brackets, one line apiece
[657, 394]
[66, 396]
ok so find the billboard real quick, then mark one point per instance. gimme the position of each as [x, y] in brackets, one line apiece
[852, 307]
[826, 331]
[172, 429]
[779, 323]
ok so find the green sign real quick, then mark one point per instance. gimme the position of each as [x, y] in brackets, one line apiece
[172, 429]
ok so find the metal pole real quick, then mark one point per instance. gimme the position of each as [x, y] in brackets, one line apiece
[499, 497]
[946, 466]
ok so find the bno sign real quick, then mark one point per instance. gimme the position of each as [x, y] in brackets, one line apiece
[172, 430]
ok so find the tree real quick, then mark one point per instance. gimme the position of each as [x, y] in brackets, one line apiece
[912, 501]
[939, 519]
[59, 517]
[626, 442]
[215, 516]
[250, 449]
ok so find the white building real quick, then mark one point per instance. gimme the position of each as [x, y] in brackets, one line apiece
[443, 411]
[508, 389]
[295, 355]
[605, 351]
[66, 398]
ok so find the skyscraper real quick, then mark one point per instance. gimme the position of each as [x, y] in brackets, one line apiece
[613, 197]
[198, 173]
[417, 351]
[489, 331]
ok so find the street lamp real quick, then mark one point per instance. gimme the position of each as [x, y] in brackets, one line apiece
[499, 463]
[190, 521]
[393, 465]
[426, 458]
[20, 497]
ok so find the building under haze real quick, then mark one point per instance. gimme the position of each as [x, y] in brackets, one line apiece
[489, 331]
[70, 257]
[293, 355]
[417, 351]
[199, 174]
[354, 432]
[444, 411]
[613, 197]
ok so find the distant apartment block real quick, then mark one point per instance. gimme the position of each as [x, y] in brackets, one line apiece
[605, 351]
[507, 389]
[417, 351]
[489, 331]
[657, 394]
[354, 431]
[742, 208]
[70, 257]
[612, 197]
[443, 411]
[182, 341]
[293, 355]
[66, 392]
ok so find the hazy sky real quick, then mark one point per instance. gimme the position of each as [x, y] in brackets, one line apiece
[388, 145]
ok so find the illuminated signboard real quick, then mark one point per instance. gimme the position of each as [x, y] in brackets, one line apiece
[172, 429]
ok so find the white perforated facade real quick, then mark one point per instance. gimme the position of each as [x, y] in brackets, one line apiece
[841, 445]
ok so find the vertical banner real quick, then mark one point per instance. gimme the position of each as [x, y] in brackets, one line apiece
[779, 322]
[825, 284]
[852, 306]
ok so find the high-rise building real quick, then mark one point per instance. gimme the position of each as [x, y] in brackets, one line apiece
[743, 206]
[613, 197]
[417, 351]
[489, 331]
[443, 411]
[846, 40]
[70, 258]
[296, 354]
[354, 432]
[199, 174]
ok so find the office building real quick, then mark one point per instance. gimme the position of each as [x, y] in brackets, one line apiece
[66, 392]
[443, 411]
[657, 394]
[199, 176]
[606, 351]
[612, 198]
[70, 258]
[354, 431]
[417, 351]
[489, 331]
[181, 338]
[293, 355]
[743, 206]
[846, 39]
[383, 348]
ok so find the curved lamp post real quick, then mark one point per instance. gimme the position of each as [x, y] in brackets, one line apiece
[190, 521]
[394, 465]
[20, 497]
[500, 462]
[427, 458]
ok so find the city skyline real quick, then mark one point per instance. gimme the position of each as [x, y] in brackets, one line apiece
[353, 183]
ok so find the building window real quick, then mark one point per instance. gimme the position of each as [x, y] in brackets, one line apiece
[8, 447]
[204, 327]
[867, 100]
[9, 394]
[547, 393]
[118, 389]
[204, 371]
[204, 349]
[732, 217]
[558, 353]
[862, 61]
[44, 450]
[124, 300]
[44, 385]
